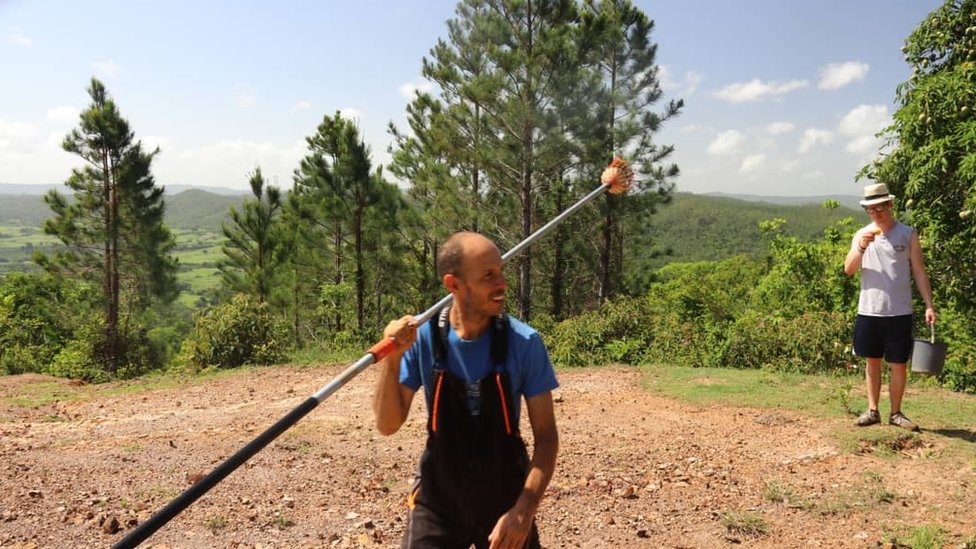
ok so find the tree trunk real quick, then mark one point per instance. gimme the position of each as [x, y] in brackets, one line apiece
[360, 272]
[108, 286]
[525, 266]
[337, 277]
[558, 269]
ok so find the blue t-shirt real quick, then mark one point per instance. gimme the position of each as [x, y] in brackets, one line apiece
[527, 365]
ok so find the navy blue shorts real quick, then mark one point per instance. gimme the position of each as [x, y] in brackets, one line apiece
[888, 337]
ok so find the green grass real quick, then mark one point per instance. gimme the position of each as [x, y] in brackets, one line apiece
[777, 492]
[45, 392]
[941, 413]
[870, 493]
[746, 524]
[199, 256]
[928, 536]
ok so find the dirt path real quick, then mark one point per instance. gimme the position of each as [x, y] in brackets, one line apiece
[635, 470]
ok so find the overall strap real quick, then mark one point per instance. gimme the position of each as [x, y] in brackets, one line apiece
[440, 324]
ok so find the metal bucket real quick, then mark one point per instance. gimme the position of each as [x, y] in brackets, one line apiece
[928, 355]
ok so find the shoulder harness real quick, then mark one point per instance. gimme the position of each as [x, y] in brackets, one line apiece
[440, 325]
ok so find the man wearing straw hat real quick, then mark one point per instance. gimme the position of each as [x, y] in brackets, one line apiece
[475, 483]
[889, 256]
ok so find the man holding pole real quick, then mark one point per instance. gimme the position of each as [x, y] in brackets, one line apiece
[475, 483]
[889, 255]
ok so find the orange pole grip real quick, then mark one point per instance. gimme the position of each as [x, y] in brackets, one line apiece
[381, 349]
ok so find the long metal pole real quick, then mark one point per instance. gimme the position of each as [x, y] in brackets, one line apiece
[375, 354]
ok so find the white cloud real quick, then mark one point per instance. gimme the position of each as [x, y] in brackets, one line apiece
[302, 105]
[813, 137]
[351, 114]
[789, 165]
[752, 163]
[55, 139]
[860, 126]
[151, 142]
[244, 96]
[19, 136]
[408, 89]
[779, 128]
[864, 119]
[837, 75]
[18, 39]
[227, 163]
[692, 79]
[756, 90]
[684, 87]
[106, 69]
[63, 115]
[726, 143]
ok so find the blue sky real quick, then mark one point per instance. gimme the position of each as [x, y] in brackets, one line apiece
[781, 97]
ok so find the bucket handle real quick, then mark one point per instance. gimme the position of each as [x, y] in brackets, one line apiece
[932, 326]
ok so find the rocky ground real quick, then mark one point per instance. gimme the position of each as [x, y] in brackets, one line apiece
[634, 470]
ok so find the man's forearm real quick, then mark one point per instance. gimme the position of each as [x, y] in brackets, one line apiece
[540, 473]
[388, 407]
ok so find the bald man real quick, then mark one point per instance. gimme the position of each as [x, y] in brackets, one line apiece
[475, 483]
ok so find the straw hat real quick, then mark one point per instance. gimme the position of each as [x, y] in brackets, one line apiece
[876, 194]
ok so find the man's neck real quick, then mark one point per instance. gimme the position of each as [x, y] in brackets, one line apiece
[886, 224]
[467, 325]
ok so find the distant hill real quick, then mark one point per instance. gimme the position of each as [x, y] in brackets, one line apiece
[846, 200]
[35, 190]
[701, 227]
[173, 189]
[192, 209]
[195, 209]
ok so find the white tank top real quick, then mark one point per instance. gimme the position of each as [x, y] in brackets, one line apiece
[886, 274]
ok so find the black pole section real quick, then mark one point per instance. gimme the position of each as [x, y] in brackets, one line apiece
[194, 492]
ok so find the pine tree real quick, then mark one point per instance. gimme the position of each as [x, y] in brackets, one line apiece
[616, 36]
[255, 246]
[112, 227]
[334, 188]
[505, 61]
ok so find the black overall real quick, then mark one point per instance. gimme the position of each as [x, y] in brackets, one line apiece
[474, 466]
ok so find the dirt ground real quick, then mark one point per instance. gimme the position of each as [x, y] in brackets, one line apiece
[634, 470]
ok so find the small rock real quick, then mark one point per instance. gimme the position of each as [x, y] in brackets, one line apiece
[195, 477]
[110, 525]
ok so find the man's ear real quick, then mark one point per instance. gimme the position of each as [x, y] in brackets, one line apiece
[450, 282]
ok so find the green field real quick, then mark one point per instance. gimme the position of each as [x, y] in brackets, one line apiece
[17, 246]
[196, 250]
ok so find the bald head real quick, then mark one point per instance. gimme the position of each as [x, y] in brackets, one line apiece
[457, 248]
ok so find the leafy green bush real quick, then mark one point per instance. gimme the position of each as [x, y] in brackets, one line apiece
[35, 321]
[75, 361]
[959, 333]
[19, 358]
[815, 342]
[618, 332]
[234, 334]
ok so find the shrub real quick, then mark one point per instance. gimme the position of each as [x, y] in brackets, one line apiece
[233, 334]
[815, 342]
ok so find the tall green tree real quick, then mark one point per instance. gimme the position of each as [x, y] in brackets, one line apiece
[334, 188]
[616, 37]
[256, 245]
[112, 227]
[498, 74]
[929, 160]
[441, 197]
